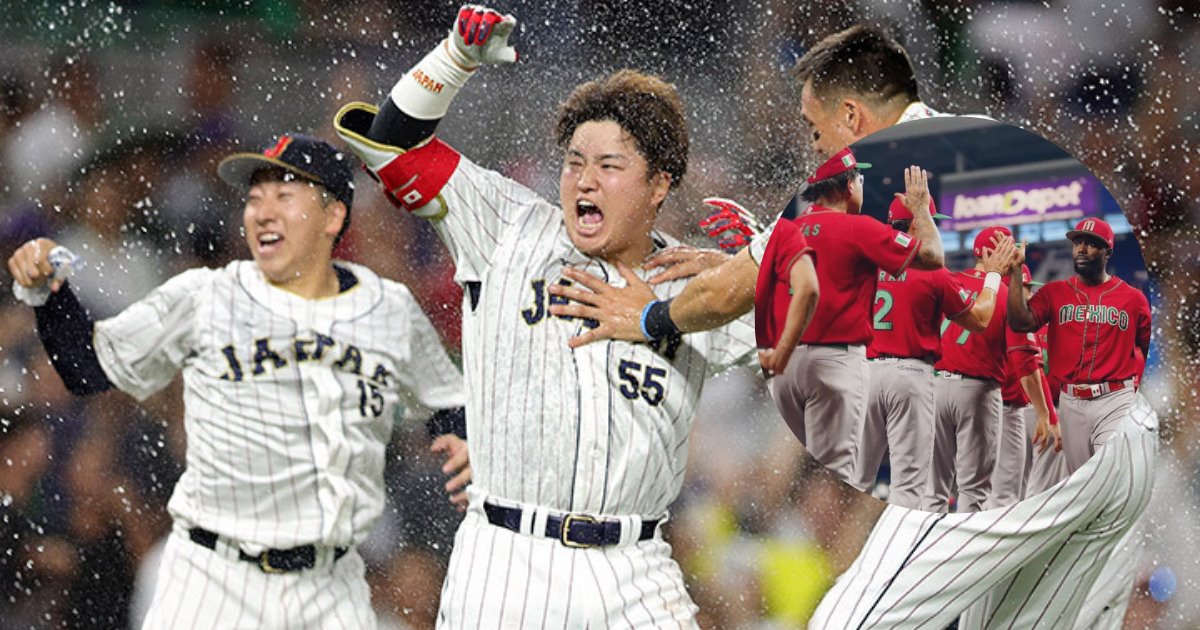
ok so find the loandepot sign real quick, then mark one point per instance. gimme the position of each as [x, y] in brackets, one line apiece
[1019, 202]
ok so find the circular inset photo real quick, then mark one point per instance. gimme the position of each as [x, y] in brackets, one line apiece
[980, 322]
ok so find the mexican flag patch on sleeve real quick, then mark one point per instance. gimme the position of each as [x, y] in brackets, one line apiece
[903, 239]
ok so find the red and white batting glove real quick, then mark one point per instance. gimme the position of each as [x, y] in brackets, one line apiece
[480, 37]
[731, 225]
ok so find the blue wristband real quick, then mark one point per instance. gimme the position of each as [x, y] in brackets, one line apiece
[645, 313]
[656, 321]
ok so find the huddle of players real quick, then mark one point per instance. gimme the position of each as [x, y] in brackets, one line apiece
[905, 357]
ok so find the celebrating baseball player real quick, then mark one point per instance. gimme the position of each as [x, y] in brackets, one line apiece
[906, 342]
[294, 368]
[1098, 325]
[576, 453]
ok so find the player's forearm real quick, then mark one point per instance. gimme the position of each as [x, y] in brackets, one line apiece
[65, 328]
[1020, 318]
[1047, 397]
[803, 281]
[931, 255]
[716, 296]
[979, 316]
[1032, 384]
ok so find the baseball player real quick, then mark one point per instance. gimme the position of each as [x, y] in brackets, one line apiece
[968, 401]
[576, 453]
[1028, 420]
[906, 342]
[1097, 326]
[785, 297]
[822, 392]
[1044, 461]
[294, 367]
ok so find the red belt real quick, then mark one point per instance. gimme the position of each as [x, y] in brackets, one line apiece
[1096, 390]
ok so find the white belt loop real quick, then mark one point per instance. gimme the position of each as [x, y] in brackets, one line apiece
[538, 526]
[631, 529]
[529, 517]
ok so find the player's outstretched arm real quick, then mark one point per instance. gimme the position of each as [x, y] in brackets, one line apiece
[803, 281]
[39, 269]
[395, 140]
[995, 263]
[715, 298]
[1020, 317]
[916, 197]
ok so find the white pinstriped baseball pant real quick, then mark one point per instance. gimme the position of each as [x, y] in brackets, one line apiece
[1027, 565]
[203, 588]
[498, 578]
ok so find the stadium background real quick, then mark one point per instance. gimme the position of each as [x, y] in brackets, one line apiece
[112, 115]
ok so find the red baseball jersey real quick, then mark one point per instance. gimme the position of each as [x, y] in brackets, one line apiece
[1022, 361]
[773, 292]
[981, 355]
[909, 309]
[852, 249]
[1096, 334]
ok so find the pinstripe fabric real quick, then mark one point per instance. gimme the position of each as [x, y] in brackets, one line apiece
[1042, 469]
[288, 406]
[201, 589]
[286, 449]
[600, 429]
[1028, 565]
[529, 582]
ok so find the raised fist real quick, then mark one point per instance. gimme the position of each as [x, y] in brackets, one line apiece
[480, 36]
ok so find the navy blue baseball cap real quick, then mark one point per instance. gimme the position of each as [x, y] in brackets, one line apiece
[307, 157]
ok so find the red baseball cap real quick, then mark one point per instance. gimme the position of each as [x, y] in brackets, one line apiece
[1093, 227]
[841, 162]
[984, 239]
[898, 211]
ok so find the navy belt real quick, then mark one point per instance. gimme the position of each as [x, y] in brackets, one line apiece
[572, 530]
[271, 560]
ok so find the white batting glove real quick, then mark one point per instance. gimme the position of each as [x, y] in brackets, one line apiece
[480, 37]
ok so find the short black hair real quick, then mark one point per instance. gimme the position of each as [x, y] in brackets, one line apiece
[831, 188]
[902, 225]
[863, 60]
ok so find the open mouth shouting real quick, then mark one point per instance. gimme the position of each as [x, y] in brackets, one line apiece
[589, 218]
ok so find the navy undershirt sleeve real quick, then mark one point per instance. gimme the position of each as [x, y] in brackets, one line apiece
[65, 328]
[395, 128]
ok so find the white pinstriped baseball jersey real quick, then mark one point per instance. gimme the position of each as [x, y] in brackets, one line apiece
[601, 429]
[289, 403]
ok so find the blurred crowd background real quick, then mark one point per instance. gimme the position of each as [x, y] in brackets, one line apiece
[114, 114]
